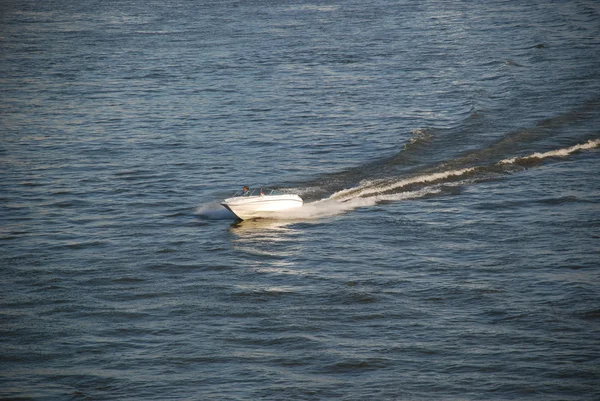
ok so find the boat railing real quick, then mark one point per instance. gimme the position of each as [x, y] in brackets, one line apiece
[258, 192]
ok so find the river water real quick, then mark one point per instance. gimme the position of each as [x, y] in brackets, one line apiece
[447, 152]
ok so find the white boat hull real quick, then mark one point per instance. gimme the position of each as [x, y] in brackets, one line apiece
[251, 207]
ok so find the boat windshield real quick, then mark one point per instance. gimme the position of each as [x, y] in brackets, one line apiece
[258, 192]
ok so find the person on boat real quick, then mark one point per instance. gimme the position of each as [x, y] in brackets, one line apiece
[245, 190]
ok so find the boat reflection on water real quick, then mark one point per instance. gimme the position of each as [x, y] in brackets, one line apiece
[274, 229]
[270, 245]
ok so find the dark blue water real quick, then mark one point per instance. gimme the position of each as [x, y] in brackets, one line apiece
[448, 155]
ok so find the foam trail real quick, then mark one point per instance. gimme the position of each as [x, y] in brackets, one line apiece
[374, 188]
[369, 193]
[331, 207]
[592, 143]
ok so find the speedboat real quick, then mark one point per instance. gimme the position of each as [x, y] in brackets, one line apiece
[259, 202]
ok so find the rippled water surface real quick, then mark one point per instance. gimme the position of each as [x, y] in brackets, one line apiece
[448, 156]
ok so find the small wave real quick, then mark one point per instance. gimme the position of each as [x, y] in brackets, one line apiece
[512, 63]
[32, 184]
[84, 244]
[420, 137]
[354, 365]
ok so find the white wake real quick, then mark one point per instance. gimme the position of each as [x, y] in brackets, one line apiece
[592, 143]
[370, 193]
[332, 206]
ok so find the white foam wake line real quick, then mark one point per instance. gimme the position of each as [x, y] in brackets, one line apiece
[370, 192]
[592, 143]
[373, 188]
[331, 207]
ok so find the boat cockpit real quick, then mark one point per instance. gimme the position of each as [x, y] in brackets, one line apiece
[258, 192]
